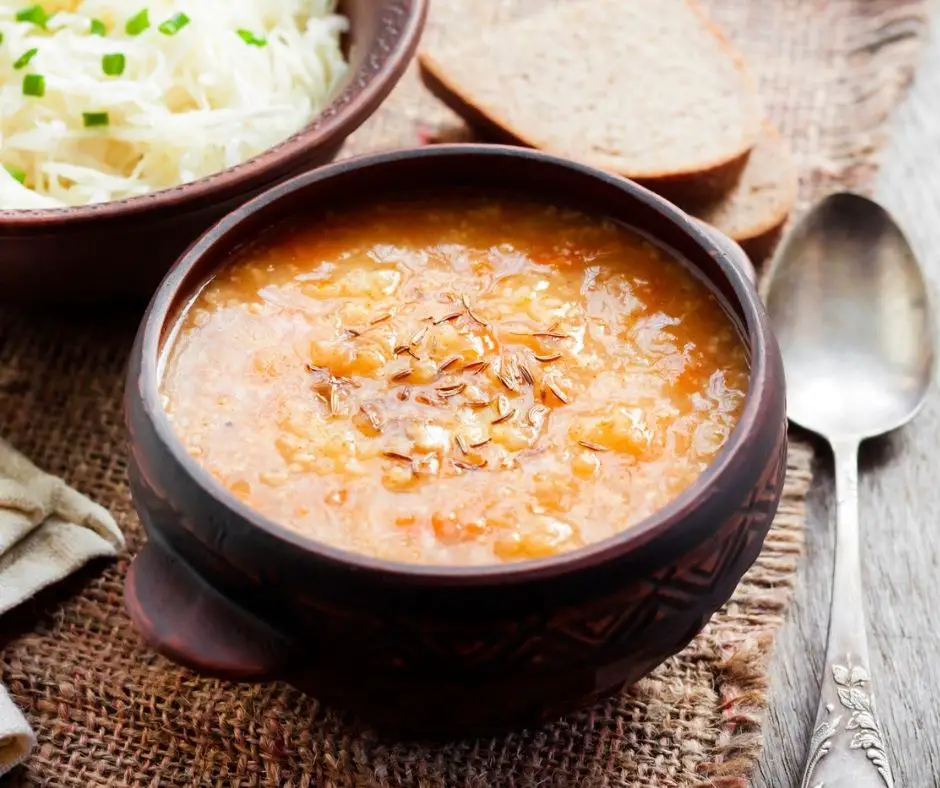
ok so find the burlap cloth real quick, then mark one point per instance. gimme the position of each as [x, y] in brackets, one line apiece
[107, 711]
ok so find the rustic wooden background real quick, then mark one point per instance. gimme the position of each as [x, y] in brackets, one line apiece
[900, 504]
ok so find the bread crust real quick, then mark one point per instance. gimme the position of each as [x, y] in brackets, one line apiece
[760, 237]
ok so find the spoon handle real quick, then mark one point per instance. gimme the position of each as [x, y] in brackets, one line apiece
[848, 748]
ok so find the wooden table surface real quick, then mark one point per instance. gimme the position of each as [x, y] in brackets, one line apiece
[900, 519]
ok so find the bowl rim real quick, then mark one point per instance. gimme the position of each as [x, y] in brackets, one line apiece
[160, 315]
[347, 109]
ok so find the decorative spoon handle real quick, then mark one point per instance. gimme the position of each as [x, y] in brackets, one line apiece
[848, 747]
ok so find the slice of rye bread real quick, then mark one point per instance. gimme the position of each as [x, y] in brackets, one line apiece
[755, 211]
[648, 89]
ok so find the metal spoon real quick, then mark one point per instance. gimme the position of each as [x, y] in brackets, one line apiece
[850, 309]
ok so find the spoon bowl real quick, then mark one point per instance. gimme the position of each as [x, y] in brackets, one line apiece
[850, 309]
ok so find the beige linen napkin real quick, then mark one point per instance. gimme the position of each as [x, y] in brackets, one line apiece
[47, 531]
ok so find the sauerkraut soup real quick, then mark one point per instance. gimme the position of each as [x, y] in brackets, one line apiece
[455, 381]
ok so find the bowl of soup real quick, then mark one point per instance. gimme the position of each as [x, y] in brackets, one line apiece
[454, 438]
[116, 157]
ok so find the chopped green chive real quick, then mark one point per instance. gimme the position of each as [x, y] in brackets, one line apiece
[23, 60]
[251, 39]
[15, 172]
[1, 38]
[98, 28]
[34, 85]
[174, 24]
[113, 64]
[35, 14]
[92, 119]
[138, 23]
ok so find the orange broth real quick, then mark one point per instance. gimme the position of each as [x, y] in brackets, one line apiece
[455, 382]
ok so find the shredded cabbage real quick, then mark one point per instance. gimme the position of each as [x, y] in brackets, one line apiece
[217, 86]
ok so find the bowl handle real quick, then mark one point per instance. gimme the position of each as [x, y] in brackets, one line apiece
[190, 622]
[731, 248]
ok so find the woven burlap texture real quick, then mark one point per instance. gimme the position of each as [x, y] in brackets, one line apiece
[108, 712]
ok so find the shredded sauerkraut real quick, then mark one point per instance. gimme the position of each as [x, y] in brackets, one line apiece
[107, 99]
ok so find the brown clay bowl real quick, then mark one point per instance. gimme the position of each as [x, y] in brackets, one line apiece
[121, 250]
[442, 649]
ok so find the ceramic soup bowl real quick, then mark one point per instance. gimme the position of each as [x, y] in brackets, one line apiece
[440, 649]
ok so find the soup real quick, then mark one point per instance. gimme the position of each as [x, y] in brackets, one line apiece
[457, 381]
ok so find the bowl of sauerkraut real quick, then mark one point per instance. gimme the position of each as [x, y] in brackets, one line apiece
[128, 127]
